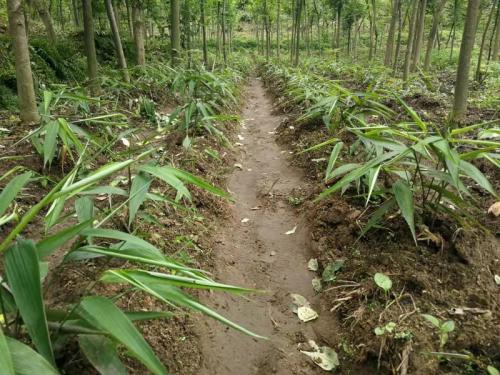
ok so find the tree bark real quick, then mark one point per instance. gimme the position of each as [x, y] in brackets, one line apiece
[462, 82]
[44, 14]
[175, 33]
[278, 5]
[409, 43]
[390, 35]
[495, 54]
[204, 33]
[438, 10]
[419, 35]
[122, 62]
[138, 28]
[483, 41]
[88, 30]
[24, 77]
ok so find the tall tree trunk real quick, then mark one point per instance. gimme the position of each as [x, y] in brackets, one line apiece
[130, 19]
[223, 30]
[204, 33]
[24, 78]
[401, 22]
[409, 44]
[419, 35]
[478, 75]
[44, 14]
[390, 36]
[88, 30]
[462, 82]
[175, 32]
[495, 54]
[438, 10]
[278, 5]
[122, 62]
[138, 28]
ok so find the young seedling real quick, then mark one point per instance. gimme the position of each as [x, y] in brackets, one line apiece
[443, 327]
[383, 281]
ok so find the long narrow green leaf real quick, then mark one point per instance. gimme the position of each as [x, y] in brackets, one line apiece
[138, 193]
[27, 361]
[23, 275]
[101, 352]
[50, 142]
[333, 158]
[104, 315]
[173, 295]
[11, 190]
[474, 173]
[6, 364]
[49, 244]
[404, 197]
[377, 215]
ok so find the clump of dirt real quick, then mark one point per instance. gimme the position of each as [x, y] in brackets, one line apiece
[451, 280]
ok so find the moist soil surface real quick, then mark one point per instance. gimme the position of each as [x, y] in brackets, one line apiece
[253, 250]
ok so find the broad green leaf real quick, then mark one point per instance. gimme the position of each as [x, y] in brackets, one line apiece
[104, 315]
[448, 326]
[404, 198]
[50, 142]
[6, 364]
[165, 174]
[102, 354]
[492, 370]
[383, 281]
[11, 190]
[23, 275]
[432, 319]
[474, 173]
[49, 244]
[138, 192]
[84, 207]
[28, 362]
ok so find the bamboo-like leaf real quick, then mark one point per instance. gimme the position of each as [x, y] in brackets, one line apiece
[474, 173]
[6, 364]
[404, 198]
[104, 315]
[138, 192]
[320, 145]
[333, 158]
[164, 291]
[50, 142]
[28, 362]
[84, 207]
[49, 244]
[377, 215]
[23, 275]
[102, 354]
[165, 174]
[372, 180]
[11, 190]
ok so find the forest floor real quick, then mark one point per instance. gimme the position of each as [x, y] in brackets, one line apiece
[253, 249]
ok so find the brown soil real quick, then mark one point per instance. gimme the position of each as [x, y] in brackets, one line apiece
[427, 279]
[259, 254]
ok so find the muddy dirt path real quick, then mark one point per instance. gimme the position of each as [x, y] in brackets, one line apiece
[257, 253]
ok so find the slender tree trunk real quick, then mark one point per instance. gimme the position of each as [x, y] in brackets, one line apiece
[438, 10]
[495, 54]
[278, 5]
[409, 44]
[478, 75]
[122, 62]
[88, 30]
[44, 14]
[130, 20]
[223, 30]
[204, 33]
[138, 28]
[24, 78]
[419, 35]
[75, 13]
[401, 21]
[175, 32]
[390, 36]
[462, 82]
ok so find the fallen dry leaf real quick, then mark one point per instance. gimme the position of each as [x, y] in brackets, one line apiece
[292, 231]
[494, 209]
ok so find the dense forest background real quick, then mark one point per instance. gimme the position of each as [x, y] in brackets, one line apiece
[367, 130]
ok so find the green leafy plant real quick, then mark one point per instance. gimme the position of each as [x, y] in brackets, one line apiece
[443, 327]
[383, 281]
